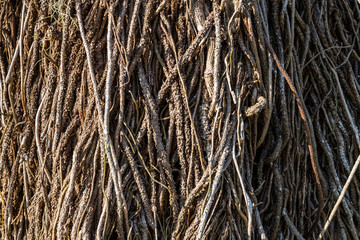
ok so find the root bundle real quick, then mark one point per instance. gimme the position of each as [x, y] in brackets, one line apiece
[191, 119]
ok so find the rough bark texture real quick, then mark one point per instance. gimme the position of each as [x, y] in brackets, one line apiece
[179, 119]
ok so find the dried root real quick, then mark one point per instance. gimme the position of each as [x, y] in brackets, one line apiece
[182, 119]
